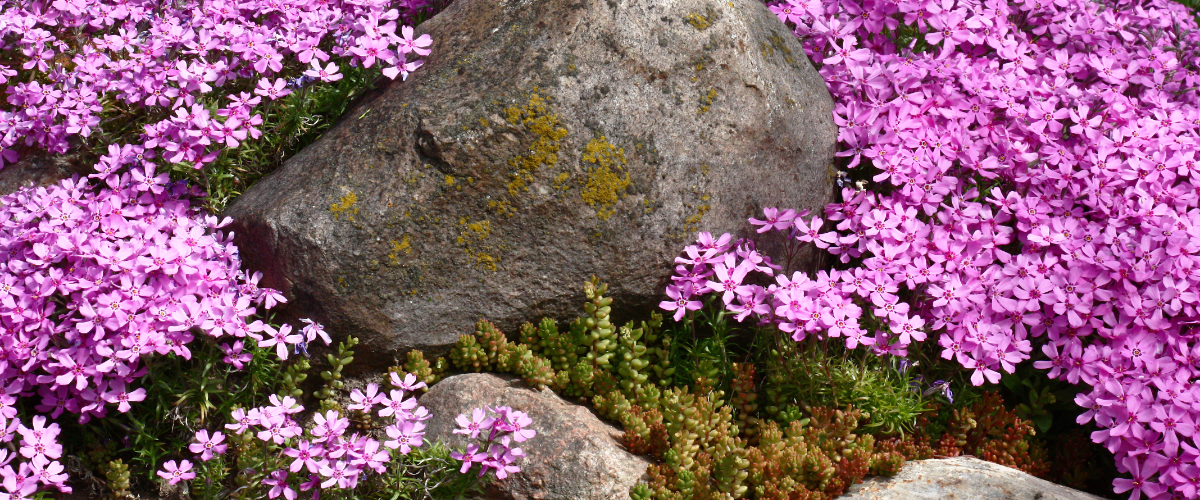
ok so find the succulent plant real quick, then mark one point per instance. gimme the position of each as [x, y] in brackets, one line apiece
[417, 365]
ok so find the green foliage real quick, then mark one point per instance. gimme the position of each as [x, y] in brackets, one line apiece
[667, 388]
[181, 396]
[1040, 399]
[802, 420]
[289, 124]
[425, 371]
[333, 376]
[815, 373]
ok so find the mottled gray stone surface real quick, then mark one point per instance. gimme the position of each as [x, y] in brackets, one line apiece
[491, 184]
[41, 168]
[574, 456]
[961, 478]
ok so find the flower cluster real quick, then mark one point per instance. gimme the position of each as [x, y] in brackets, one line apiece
[1032, 192]
[325, 456]
[36, 460]
[95, 279]
[68, 62]
[322, 456]
[496, 453]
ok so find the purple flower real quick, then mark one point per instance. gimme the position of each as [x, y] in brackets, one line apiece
[175, 473]
[206, 446]
[680, 300]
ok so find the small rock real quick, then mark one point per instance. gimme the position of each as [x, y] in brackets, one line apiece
[41, 168]
[961, 478]
[574, 456]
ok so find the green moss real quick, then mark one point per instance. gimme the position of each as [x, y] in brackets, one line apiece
[605, 185]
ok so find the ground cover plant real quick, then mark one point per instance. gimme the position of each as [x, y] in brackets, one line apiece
[1019, 185]
[996, 138]
[766, 417]
[117, 285]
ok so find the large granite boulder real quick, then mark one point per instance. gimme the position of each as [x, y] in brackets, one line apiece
[961, 478]
[544, 141]
[574, 455]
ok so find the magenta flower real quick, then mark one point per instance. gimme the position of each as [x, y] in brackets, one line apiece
[478, 422]
[279, 485]
[279, 339]
[234, 355]
[405, 436]
[175, 473]
[469, 458]
[206, 446]
[681, 300]
[306, 455]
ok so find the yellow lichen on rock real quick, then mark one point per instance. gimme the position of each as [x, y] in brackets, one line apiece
[706, 100]
[345, 206]
[403, 246]
[470, 235]
[605, 183]
[502, 208]
[701, 21]
[536, 117]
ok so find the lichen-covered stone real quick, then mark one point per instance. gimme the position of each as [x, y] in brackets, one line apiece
[544, 141]
[961, 478]
[574, 455]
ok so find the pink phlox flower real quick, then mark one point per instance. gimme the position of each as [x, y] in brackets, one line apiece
[234, 355]
[405, 436]
[279, 339]
[307, 455]
[705, 241]
[175, 473]
[1140, 483]
[728, 279]
[751, 300]
[774, 220]
[417, 46]
[397, 405]
[501, 459]
[681, 300]
[286, 405]
[279, 485]
[270, 90]
[242, 420]
[327, 74]
[206, 446]
[517, 424]
[365, 402]
[409, 383]
[473, 426]
[470, 457]
[313, 330]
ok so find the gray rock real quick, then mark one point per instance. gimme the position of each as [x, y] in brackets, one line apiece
[544, 141]
[961, 478]
[574, 455]
[42, 168]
